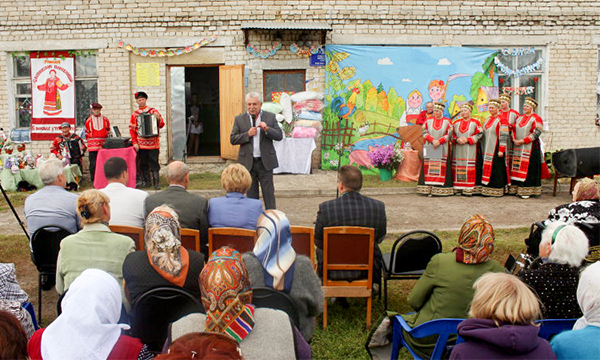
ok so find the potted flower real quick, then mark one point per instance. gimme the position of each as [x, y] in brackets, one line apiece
[386, 158]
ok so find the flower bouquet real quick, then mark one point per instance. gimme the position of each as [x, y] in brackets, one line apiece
[386, 158]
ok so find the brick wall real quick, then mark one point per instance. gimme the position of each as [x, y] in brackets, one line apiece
[567, 29]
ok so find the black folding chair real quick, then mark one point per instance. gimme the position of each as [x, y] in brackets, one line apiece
[45, 244]
[409, 257]
[266, 297]
[155, 309]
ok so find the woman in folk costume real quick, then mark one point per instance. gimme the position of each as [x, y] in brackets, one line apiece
[88, 326]
[226, 296]
[495, 137]
[466, 133]
[508, 116]
[526, 167]
[436, 177]
[275, 264]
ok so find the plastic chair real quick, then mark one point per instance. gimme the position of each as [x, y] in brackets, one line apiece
[155, 309]
[190, 239]
[409, 257]
[551, 327]
[348, 248]
[29, 308]
[442, 327]
[45, 245]
[303, 241]
[134, 232]
[240, 239]
[266, 297]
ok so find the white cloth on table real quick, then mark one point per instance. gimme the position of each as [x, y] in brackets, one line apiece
[294, 155]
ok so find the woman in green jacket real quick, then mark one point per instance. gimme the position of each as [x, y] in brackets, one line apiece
[445, 290]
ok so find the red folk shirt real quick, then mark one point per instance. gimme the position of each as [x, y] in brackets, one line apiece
[146, 143]
[423, 116]
[97, 129]
[59, 145]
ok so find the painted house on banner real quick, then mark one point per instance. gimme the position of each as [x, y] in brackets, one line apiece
[197, 59]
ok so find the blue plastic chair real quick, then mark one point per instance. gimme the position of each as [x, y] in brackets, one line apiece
[29, 307]
[551, 327]
[442, 327]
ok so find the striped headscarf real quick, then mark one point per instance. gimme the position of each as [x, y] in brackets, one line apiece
[475, 241]
[227, 294]
[274, 250]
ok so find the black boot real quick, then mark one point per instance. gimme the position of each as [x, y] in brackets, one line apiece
[141, 181]
[155, 179]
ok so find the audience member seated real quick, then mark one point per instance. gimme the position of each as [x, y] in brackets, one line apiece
[164, 262]
[445, 289]
[127, 204]
[13, 340]
[95, 246]
[51, 205]
[190, 208]
[583, 342]
[275, 264]
[501, 322]
[351, 209]
[555, 281]
[227, 296]
[12, 298]
[203, 345]
[234, 209]
[585, 209]
[88, 326]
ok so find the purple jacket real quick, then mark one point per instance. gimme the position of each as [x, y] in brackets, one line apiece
[485, 340]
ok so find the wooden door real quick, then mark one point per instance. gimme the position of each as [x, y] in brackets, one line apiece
[231, 103]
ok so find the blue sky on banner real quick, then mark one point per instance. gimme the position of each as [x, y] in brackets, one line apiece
[409, 68]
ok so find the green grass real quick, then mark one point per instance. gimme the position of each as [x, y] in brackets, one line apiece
[373, 181]
[16, 199]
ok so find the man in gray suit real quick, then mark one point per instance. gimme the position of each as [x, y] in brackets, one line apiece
[255, 131]
[190, 208]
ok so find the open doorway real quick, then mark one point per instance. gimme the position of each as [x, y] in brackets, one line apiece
[202, 111]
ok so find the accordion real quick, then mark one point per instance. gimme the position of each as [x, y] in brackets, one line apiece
[74, 148]
[147, 125]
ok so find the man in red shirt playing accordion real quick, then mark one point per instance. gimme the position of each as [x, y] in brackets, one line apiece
[68, 145]
[144, 128]
[97, 128]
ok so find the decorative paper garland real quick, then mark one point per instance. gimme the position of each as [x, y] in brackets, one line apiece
[524, 90]
[167, 52]
[519, 72]
[264, 53]
[517, 52]
[294, 48]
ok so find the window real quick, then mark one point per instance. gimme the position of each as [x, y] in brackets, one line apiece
[533, 81]
[283, 80]
[86, 88]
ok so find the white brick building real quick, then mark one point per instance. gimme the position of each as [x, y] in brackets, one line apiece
[566, 32]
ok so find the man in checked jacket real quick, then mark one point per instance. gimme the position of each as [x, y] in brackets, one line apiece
[351, 209]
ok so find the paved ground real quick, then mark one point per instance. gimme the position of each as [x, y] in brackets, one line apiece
[299, 197]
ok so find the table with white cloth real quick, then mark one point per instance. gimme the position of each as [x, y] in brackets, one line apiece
[294, 155]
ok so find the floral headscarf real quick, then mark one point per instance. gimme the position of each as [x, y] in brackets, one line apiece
[475, 241]
[586, 189]
[274, 250]
[163, 245]
[227, 294]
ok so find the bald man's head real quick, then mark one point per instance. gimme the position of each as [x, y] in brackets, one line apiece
[177, 172]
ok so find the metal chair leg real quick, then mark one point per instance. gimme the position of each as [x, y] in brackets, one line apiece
[40, 297]
[385, 294]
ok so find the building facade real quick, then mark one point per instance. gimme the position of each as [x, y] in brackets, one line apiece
[565, 34]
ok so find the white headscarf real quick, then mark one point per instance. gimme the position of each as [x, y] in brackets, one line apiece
[588, 296]
[87, 328]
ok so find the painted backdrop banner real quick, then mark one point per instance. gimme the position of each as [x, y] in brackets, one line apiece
[52, 93]
[372, 90]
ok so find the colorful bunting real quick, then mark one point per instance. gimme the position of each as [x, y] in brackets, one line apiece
[167, 52]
